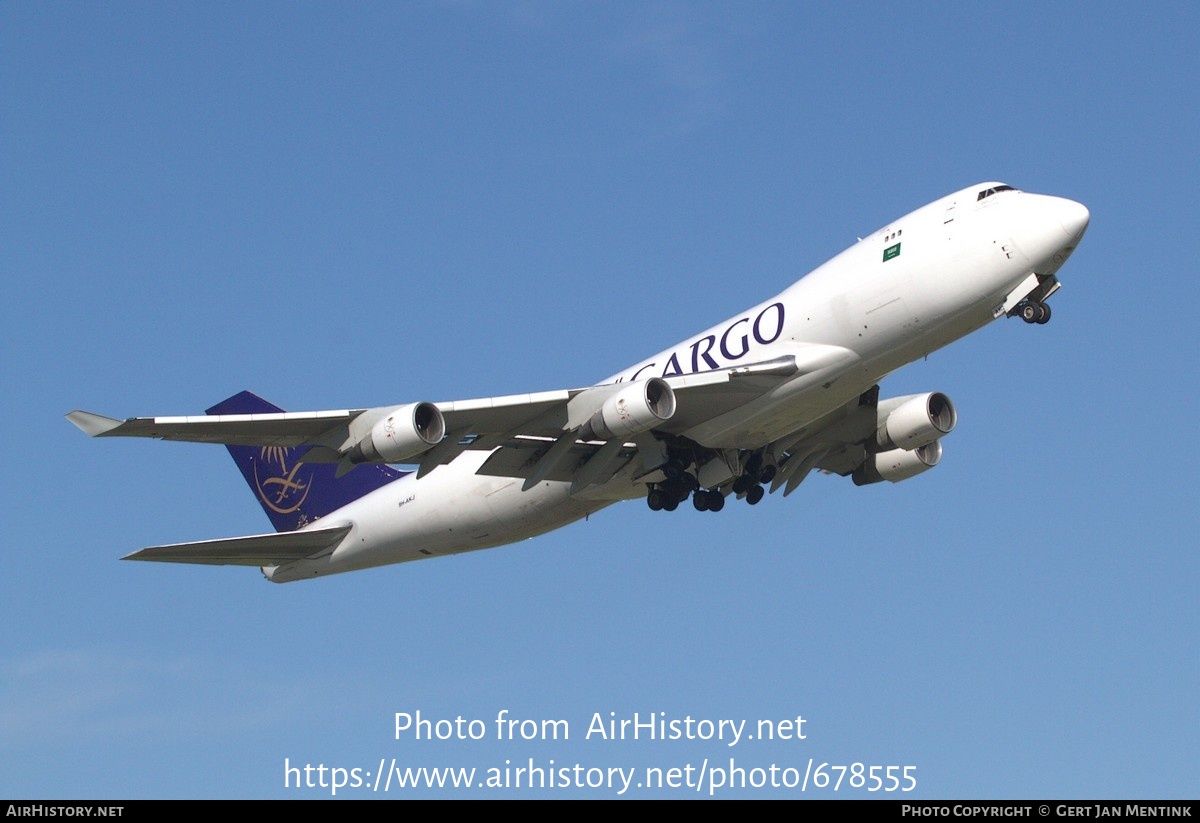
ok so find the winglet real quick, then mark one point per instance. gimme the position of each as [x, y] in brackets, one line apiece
[93, 425]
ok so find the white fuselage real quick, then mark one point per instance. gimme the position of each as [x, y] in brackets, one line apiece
[910, 288]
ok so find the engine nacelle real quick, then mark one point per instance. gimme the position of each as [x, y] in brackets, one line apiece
[915, 422]
[633, 409]
[401, 434]
[898, 464]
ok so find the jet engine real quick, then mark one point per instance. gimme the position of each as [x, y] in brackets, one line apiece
[897, 464]
[633, 409]
[914, 421]
[401, 434]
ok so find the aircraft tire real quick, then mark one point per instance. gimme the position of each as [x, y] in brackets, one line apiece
[1044, 317]
[754, 494]
[716, 501]
[700, 501]
[654, 500]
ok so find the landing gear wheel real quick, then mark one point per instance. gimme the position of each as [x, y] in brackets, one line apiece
[741, 484]
[1034, 311]
[767, 474]
[754, 495]
[716, 501]
[655, 500]
[670, 505]
[700, 501]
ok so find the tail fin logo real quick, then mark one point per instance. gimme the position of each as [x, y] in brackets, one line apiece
[294, 493]
[281, 489]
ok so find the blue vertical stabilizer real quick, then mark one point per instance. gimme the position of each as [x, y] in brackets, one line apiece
[294, 493]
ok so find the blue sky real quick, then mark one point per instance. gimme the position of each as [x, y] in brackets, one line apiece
[343, 206]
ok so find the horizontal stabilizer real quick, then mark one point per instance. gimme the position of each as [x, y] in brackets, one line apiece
[256, 550]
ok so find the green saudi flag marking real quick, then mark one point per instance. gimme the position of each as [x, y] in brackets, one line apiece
[890, 252]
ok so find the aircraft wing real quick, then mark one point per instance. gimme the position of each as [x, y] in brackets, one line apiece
[256, 550]
[490, 422]
[276, 429]
[522, 422]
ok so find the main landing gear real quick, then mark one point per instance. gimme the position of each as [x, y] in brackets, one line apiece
[708, 501]
[1034, 311]
[681, 483]
[752, 477]
[661, 498]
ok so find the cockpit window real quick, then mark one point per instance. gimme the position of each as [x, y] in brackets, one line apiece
[993, 190]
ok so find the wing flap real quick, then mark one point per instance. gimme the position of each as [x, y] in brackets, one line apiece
[520, 456]
[255, 550]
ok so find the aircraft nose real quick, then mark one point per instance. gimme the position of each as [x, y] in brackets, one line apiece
[1049, 230]
[1074, 218]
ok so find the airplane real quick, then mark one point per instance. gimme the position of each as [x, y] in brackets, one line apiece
[756, 402]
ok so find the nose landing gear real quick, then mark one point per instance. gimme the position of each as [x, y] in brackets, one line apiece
[1034, 311]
